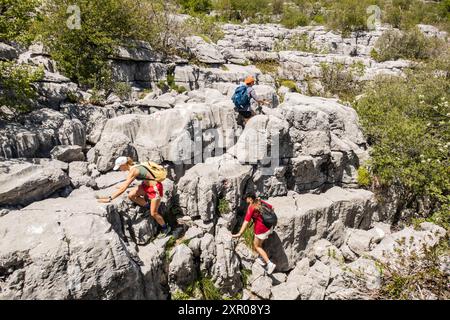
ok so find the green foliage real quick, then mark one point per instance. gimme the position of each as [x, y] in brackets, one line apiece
[169, 246]
[123, 90]
[364, 179]
[411, 44]
[293, 18]
[411, 274]
[180, 295]
[339, 79]
[196, 6]
[206, 27]
[249, 236]
[348, 16]
[223, 207]
[300, 42]
[407, 122]
[203, 288]
[16, 18]
[246, 273]
[268, 66]
[16, 86]
[82, 53]
[289, 84]
[239, 10]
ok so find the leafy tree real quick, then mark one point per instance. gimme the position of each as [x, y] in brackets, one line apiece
[16, 18]
[407, 122]
[82, 53]
[17, 90]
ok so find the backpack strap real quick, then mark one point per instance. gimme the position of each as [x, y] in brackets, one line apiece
[151, 174]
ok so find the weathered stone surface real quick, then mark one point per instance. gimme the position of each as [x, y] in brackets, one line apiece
[82, 174]
[285, 291]
[170, 137]
[7, 52]
[23, 182]
[67, 153]
[67, 248]
[203, 51]
[225, 271]
[307, 218]
[41, 131]
[201, 188]
[181, 268]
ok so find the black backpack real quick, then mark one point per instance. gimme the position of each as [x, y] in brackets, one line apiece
[269, 217]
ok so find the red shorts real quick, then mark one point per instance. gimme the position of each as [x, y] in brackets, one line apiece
[153, 192]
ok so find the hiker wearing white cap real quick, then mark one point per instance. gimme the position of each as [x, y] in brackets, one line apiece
[151, 189]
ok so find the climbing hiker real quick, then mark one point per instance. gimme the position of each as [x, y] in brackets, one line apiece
[149, 193]
[242, 99]
[264, 220]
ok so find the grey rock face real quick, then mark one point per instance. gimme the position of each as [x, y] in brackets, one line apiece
[67, 153]
[307, 218]
[205, 184]
[22, 182]
[68, 249]
[203, 51]
[7, 52]
[82, 174]
[182, 271]
[41, 131]
[170, 137]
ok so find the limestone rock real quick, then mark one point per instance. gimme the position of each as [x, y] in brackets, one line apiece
[67, 153]
[67, 248]
[22, 182]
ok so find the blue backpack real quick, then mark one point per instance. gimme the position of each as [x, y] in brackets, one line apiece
[240, 98]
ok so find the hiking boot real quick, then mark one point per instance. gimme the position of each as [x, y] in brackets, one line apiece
[270, 267]
[261, 262]
[165, 233]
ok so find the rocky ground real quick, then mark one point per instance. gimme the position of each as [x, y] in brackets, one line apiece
[58, 242]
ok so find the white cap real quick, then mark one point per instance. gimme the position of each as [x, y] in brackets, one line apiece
[120, 162]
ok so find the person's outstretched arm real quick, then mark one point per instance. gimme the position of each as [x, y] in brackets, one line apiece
[122, 188]
[244, 226]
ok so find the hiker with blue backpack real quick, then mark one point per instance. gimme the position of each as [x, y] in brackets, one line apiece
[264, 220]
[242, 99]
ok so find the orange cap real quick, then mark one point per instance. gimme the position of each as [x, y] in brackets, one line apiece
[249, 80]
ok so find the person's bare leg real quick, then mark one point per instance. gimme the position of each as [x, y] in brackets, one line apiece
[154, 212]
[258, 246]
[137, 196]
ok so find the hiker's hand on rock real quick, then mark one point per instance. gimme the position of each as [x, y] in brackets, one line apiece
[236, 235]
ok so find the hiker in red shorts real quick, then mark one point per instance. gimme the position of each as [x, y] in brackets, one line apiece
[149, 189]
[262, 232]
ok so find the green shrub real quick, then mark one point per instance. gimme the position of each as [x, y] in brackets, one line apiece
[289, 84]
[169, 246]
[411, 44]
[364, 179]
[223, 207]
[249, 235]
[407, 123]
[17, 91]
[293, 18]
[16, 18]
[411, 274]
[123, 90]
[339, 79]
[268, 66]
[239, 10]
[196, 6]
[348, 16]
[203, 288]
[206, 27]
[299, 42]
